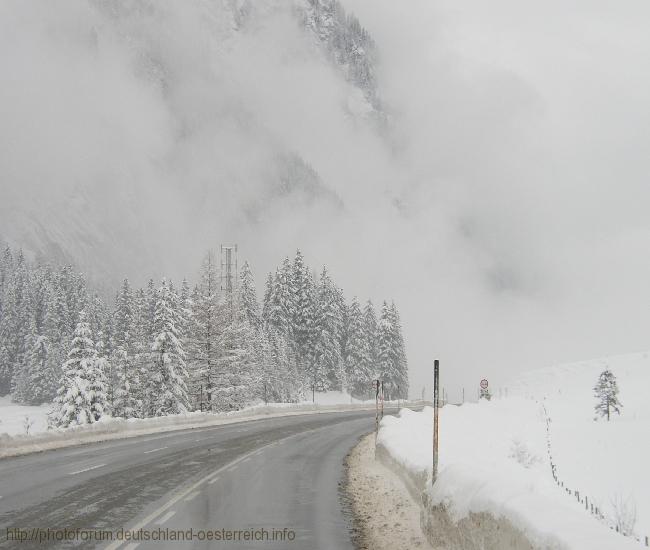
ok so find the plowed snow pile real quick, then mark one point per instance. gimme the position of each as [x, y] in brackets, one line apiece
[494, 458]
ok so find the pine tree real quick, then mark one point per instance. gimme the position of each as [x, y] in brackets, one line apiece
[357, 353]
[235, 367]
[98, 388]
[168, 376]
[304, 310]
[151, 295]
[371, 332]
[280, 307]
[388, 352]
[606, 392]
[14, 326]
[75, 401]
[266, 302]
[203, 334]
[401, 381]
[128, 401]
[247, 298]
[124, 318]
[34, 386]
[6, 271]
[327, 364]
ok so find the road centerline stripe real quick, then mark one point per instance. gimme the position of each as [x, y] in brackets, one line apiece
[86, 469]
[154, 450]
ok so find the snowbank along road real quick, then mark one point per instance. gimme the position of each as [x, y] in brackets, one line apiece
[270, 484]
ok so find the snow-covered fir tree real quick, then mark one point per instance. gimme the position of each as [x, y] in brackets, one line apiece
[247, 298]
[167, 384]
[78, 400]
[327, 363]
[606, 392]
[36, 384]
[391, 358]
[358, 364]
[304, 311]
[203, 330]
[279, 310]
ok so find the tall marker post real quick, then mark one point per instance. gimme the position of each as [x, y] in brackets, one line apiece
[436, 394]
[376, 384]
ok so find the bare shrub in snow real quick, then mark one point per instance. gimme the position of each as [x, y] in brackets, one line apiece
[27, 424]
[519, 451]
[624, 514]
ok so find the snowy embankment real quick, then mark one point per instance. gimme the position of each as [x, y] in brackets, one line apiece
[14, 441]
[494, 464]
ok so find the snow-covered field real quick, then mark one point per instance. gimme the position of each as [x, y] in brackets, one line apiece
[494, 458]
[15, 418]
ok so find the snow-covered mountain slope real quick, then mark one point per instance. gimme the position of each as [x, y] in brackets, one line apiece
[175, 126]
[494, 456]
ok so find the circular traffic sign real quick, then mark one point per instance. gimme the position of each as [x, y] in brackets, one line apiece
[484, 384]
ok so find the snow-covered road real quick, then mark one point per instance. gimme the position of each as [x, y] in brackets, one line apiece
[279, 474]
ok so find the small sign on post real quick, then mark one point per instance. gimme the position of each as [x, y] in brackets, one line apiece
[484, 392]
[436, 392]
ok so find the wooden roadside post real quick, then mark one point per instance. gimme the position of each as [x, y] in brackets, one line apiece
[376, 384]
[436, 392]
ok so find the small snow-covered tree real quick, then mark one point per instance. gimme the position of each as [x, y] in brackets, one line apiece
[606, 392]
[74, 402]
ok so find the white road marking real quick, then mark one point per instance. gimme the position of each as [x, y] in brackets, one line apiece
[246, 459]
[214, 480]
[131, 546]
[163, 519]
[191, 496]
[154, 450]
[86, 469]
[151, 517]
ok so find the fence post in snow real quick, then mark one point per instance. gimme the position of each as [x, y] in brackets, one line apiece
[436, 382]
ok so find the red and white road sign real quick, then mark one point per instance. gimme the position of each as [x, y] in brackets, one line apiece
[484, 384]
